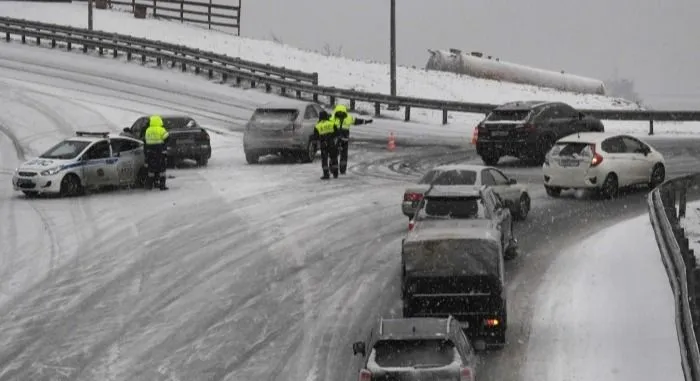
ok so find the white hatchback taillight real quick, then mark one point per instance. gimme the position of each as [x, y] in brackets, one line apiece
[365, 375]
[466, 374]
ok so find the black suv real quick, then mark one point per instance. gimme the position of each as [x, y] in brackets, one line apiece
[417, 349]
[187, 140]
[529, 129]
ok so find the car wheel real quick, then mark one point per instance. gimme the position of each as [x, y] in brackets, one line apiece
[523, 207]
[309, 155]
[202, 161]
[658, 175]
[510, 253]
[552, 191]
[251, 157]
[490, 158]
[141, 178]
[70, 186]
[609, 189]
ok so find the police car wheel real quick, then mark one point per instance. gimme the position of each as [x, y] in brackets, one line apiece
[70, 185]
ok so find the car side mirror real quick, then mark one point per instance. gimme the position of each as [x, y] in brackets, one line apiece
[116, 154]
[512, 181]
[127, 130]
[358, 348]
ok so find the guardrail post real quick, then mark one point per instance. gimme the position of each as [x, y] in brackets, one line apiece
[24, 37]
[155, 7]
[224, 77]
[128, 55]
[268, 88]
[7, 36]
[314, 96]
[183, 66]
[444, 116]
[38, 40]
[283, 91]
[115, 53]
[407, 113]
[331, 99]
[377, 109]
[298, 94]
[651, 126]
[682, 202]
[352, 105]
[182, 11]
[314, 79]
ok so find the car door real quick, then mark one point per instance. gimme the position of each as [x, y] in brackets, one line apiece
[139, 128]
[641, 162]
[618, 160]
[99, 167]
[129, 154]
[487, 178]
[502, 186]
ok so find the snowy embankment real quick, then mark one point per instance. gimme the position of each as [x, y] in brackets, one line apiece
[605, 312]
[338, 71]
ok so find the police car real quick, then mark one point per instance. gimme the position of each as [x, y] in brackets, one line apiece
[88, 160]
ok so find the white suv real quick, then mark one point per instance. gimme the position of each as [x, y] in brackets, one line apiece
[601, 161]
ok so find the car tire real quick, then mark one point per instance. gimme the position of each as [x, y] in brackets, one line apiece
[309, 154]
[71, 186]
[251, 157]
[202, 161]
[552, 191]
[609, 190]
[510, 253]
[490, 158]
[523, 207]
[141, 178]
[658, 175]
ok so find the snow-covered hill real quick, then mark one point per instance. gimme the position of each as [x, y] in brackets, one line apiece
[333, 71]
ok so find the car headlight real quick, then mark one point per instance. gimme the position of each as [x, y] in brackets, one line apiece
[51, 171]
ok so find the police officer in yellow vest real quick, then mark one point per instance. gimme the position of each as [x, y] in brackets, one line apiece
[155, 137]
[343, 121]
[325, 134]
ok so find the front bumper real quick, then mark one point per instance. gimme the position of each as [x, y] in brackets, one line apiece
[38, 183]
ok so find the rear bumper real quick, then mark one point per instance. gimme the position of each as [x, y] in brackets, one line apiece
[556, 177]
[515, 147]
[263, 144]
[189, 151]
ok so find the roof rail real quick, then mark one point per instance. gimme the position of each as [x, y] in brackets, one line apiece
[449, 320]
[97, 134]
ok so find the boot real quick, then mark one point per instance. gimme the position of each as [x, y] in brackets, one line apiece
[335, 174]
[325, 176]
[148, 184]
[162, 184]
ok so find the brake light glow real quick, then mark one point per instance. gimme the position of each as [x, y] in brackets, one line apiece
[475, 134]
[491, 322]
[411, 225]
[411, 196]
[366, 375]
[466, 374]
[597, 158]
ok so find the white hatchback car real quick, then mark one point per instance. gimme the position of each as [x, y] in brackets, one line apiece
[87, 161]
[603, 162]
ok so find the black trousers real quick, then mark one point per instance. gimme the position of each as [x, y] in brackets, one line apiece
[329, 157]
[156, 163]
[343, 142]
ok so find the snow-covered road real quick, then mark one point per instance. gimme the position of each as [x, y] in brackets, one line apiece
[605, 312]
[238, 272]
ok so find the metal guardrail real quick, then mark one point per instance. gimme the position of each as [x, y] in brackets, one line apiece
[667, 204]
[284, 80]
[10, 26]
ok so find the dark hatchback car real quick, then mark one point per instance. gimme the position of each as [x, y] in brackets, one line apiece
[188, 140]
[417, 349]
[528, 130]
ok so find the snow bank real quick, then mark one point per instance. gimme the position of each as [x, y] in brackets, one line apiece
[691, 224]
[461, 63]
[605, 312]
[333, 71]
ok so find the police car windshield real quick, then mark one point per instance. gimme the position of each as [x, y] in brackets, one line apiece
[67, 149]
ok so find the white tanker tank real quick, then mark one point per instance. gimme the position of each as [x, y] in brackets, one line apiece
[493, 68]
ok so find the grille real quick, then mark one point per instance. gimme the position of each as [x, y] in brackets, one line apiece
[27, 174]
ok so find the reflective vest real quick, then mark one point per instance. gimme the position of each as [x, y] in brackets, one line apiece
[155, 133]
[325, 127]
[347, 122]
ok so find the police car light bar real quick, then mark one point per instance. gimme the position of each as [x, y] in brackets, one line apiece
[99, 134]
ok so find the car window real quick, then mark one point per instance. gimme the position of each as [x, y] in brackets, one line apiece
[67, 149]
[99, 150]
[508, 115]
[452, 207]
[414, 353]
[613, 145]
[123, 145]
[263, 115]
[311, 113]
[139, 125]
[487, 178]
[179, 123]
[498, 177]
[571, 149]
[633, 145]
[565, 111]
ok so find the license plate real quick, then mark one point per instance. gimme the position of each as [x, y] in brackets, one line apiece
[185, 141]
[568, 163]
[499, 133]
[23, 182]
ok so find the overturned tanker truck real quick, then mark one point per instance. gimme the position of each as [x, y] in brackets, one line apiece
[475, 65]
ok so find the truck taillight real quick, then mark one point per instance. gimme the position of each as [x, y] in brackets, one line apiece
[466, 374]
[412, 196]
[365, 375]
[492, 322]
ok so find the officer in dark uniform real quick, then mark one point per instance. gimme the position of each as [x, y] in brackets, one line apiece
[325, 134]
[343, 121]
[155, 137]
